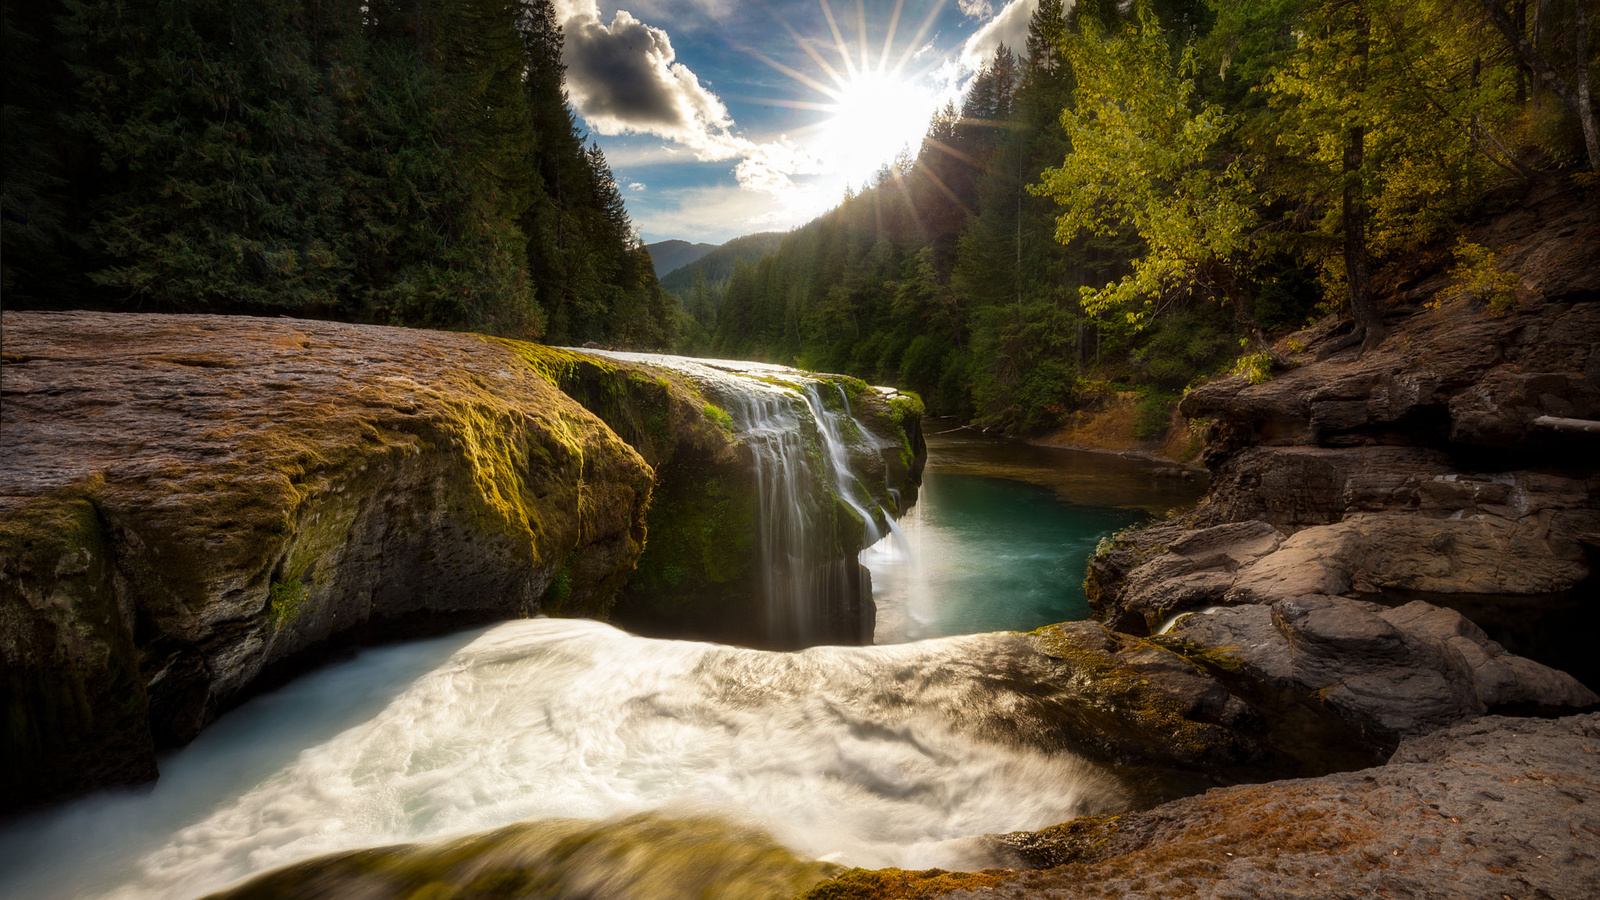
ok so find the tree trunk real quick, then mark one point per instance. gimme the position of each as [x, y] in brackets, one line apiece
[1576, 97]
[1357, 265]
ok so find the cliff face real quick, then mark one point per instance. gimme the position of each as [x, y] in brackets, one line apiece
[192, 506]
[1442, 466]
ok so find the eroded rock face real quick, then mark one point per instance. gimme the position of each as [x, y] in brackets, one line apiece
[1495, 807]
[189, 501]
[1426, 469]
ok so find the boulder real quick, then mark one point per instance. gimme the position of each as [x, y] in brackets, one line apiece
[1383, 674]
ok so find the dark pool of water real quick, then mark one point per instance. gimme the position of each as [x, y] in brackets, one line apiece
[1002, 532]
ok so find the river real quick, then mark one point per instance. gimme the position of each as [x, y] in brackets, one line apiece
[859, 756]
[1002, 533]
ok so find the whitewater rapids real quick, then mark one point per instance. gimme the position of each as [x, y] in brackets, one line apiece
[869, 756]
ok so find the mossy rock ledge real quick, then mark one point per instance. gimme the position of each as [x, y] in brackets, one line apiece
[193, 506]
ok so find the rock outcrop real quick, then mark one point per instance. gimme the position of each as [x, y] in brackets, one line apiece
[189, 502]
[1493, 808]
[1302, 687]
[1436, 467]
[194, 506]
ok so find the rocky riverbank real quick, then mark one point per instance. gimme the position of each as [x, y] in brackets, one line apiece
[1492, 808]
[1383, 533]
[192, 507]
[1436, 467]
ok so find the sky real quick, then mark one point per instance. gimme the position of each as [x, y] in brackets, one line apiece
[722, 118]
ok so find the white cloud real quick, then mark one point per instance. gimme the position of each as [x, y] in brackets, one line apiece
[976, 9]
[721, 213]
[637, 186]
[624, 78]
[1010, 27]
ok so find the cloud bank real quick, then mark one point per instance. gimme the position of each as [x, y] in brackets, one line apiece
[1010, 27]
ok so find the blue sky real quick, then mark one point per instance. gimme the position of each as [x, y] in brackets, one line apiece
[728, 117]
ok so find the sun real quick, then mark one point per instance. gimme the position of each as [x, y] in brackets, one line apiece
[873, 105]
[874, 116]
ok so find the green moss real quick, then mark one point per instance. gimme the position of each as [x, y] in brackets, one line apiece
[559, 591]
[883, 884]
[644, 857]
[720, 416]
[285, 600]
[1215, 658]
[1120, 704]
[907, 406]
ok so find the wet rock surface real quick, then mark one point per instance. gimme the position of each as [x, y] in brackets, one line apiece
[1497, 807]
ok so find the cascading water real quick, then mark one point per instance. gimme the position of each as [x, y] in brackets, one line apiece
[815, 514]
[859, 755]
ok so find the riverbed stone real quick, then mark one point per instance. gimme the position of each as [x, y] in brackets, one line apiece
[1385, 673]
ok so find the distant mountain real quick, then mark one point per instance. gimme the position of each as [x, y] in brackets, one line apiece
[718, 264]
[669, 255]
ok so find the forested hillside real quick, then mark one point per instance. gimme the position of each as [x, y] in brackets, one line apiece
[701, 284]
[671, 255]
[392, 161]
[1131, 200]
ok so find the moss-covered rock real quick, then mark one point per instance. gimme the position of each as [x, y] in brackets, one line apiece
[642, 857]
[194, 504]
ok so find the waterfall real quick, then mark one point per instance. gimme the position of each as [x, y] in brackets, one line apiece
[815, 512]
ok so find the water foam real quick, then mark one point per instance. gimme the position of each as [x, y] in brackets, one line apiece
[855, 755]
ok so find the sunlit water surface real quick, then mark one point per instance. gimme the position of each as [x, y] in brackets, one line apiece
[1001, 535]
[855, 755]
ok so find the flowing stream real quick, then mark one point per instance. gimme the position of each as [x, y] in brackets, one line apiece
[861, 756]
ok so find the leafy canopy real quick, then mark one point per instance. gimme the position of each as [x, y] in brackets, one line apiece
[1145, 155]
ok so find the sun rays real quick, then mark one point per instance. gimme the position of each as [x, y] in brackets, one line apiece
[874, 102]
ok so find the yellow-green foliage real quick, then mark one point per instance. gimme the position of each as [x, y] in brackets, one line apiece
[1479, 277]
[1141, 155]
[1255, 367]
